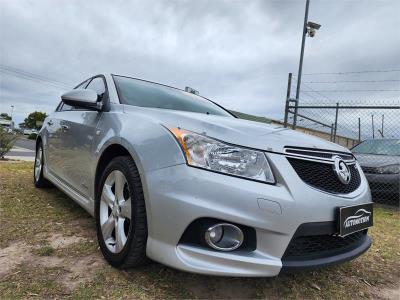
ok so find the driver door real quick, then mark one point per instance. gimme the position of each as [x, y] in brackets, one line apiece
[78, 136]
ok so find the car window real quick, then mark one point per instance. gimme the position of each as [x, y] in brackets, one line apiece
[65, 107]
[97, 84]
[148, 94]
[380, 147]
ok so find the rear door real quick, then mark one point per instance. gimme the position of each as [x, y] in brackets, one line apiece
[78, 135]
[53, 145]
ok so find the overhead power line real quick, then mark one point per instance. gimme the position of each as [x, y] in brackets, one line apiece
[34, 80]
[33, 77]
[13, 69]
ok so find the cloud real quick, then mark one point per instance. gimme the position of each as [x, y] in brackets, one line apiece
[237, 53]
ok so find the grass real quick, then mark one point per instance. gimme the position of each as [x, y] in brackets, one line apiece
[30, 281]
[44, 251]
[60, 257]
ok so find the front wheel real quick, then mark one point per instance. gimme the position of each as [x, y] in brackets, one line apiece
[38, 178]
[121, 214]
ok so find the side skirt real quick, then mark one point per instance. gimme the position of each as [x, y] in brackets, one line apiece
[85, 203]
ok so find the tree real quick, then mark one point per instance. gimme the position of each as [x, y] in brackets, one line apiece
[6, 142]
[5, 116]
[33, 118]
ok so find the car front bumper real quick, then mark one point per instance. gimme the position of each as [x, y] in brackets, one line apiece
[178, 195]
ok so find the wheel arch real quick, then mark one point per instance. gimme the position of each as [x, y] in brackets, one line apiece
[111, 151]
[106, 156]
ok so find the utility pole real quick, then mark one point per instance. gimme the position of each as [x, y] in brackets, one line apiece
[303, 41]
[12, 110]
[310, 28]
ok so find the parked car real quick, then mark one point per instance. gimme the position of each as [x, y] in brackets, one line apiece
[29, 131]
[174, 177]
[380, 161]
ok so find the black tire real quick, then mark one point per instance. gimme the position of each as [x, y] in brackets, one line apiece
[133, 254]
[38, 179]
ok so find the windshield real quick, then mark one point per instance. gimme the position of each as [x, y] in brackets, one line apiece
[380, 147]
[148, 94]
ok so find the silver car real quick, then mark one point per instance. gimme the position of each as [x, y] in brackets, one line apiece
[174, 177]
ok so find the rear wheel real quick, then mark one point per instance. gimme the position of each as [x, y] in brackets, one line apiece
[38, 178]
[121, 214]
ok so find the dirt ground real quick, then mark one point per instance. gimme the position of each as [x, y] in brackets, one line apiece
[48, 249]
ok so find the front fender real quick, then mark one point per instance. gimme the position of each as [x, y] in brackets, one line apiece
[149, 143]
[152, 147]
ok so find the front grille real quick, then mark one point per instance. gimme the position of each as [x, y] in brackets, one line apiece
[321, 246]
[322, 176]
[318, 153]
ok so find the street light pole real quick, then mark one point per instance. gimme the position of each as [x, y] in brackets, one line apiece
[303, 41]
[12, 109]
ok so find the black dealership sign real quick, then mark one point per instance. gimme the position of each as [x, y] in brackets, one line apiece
[355, 218]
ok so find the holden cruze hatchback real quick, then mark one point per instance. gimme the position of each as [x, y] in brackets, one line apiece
[174, 177]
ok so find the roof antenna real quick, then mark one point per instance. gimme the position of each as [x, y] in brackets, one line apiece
[192, 91]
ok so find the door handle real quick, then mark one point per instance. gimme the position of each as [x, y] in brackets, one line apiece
[65, 127]
[50, 122]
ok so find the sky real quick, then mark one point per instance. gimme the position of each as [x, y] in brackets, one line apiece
[237, 53]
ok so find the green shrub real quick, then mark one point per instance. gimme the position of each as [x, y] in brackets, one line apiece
[6, 141]
[32, 136]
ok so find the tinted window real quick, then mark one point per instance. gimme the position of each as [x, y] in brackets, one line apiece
[382, 147]
[65, 107]
[97, 84]
[147, 94]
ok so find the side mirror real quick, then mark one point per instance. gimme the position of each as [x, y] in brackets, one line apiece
[84, 98]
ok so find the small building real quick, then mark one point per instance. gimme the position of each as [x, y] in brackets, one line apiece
[7, 124]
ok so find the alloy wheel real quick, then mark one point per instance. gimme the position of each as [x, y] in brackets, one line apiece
[38, 163]
[115, 211]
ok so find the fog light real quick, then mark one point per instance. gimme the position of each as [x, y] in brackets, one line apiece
[224, 237]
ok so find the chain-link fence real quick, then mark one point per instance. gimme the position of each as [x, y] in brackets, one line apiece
[369, 127]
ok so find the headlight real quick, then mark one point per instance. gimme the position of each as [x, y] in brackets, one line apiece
[210, 154]
[389, 169]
